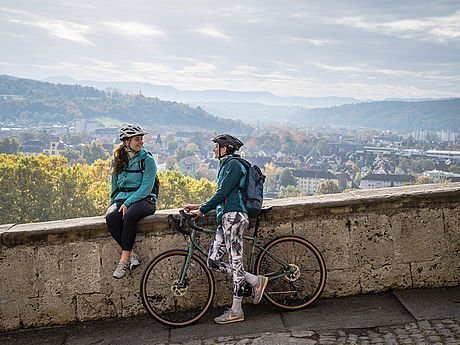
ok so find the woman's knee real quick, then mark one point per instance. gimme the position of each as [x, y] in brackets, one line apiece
[113, 216]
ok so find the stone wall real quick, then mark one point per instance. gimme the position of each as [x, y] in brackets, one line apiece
[396, 238]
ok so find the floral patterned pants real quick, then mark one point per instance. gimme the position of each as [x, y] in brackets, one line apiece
[229, 239]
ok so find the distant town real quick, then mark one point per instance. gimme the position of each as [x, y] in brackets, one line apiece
[296, 161]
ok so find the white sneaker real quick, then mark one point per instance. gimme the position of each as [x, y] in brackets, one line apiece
[121, 269]
[134, 261]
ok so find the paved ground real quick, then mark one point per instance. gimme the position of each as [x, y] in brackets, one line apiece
[420, 316]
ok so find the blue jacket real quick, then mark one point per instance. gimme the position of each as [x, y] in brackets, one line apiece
[134, 186]
[228, 197]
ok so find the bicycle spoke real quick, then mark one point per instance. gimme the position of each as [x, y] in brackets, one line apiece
[306, 279]
[169, 301]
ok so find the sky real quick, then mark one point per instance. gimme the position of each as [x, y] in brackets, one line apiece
[361, 49]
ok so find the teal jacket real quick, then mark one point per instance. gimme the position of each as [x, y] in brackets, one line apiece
[228, 197]
[130, 187]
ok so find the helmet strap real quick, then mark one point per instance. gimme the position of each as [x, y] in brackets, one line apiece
[128, 146]
[220, 155]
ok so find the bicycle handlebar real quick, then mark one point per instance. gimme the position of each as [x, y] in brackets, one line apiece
[185, 217]
[190, 219]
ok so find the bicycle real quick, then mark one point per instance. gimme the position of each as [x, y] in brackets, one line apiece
[177, 288]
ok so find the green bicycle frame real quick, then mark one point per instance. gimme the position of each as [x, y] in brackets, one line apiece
[194, 246]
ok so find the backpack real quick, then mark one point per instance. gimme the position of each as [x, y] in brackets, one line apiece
[156, 184]
[253, 190]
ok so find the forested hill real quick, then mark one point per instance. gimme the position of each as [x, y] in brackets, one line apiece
[392, 115]
[25, 102]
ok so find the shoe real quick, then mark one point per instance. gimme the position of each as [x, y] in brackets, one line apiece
[229, 317]
[134, 261]
[121, 269]
[259, 289]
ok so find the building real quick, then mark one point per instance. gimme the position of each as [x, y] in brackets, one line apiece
[442, 176]
[189, 165]
[55, 148]
[86, 126]
[385, 180]
[452, 155]
[308, 181]
[32, 147]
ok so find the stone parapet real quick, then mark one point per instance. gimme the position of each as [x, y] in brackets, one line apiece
[395, 238]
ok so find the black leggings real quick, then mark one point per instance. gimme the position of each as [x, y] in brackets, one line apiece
[124, 230]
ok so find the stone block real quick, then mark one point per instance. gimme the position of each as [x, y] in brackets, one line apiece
[372, 240]
[436, 273]
[343, 282]
[421, 237]
[70, 269]
[48, 310]
[395, 276]
[17, 267]
[9, 315]
[333, 241]
[451, 218]
[97, 306]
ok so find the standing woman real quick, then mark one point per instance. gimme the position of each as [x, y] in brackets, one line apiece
[131, 198]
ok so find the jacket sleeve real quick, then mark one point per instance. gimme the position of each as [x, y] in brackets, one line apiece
[146, 186]
[231, 175]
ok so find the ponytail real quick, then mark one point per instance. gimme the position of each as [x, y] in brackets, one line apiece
[120, 158]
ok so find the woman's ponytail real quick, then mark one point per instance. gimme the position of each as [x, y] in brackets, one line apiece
[120, 158]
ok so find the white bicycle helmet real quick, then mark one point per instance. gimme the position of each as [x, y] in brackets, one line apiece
[130, 131]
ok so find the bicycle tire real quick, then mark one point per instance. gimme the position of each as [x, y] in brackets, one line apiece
[160, 296]
[302, 287]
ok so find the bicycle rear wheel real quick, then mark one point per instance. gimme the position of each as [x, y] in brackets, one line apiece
[165, 300]
[307, 277]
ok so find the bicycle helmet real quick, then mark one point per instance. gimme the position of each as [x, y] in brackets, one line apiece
[228, 140]
[130, 131]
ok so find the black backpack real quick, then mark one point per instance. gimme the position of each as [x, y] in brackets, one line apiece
[156, 184]
[253, 190]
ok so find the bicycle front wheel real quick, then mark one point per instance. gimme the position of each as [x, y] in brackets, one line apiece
[296, 272]
[168, 301]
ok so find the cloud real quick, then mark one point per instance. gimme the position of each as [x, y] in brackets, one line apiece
[60, 29]
[244, 70]
[372, 71]
[133, 29]
[310, 41]
[212, 32]
[438, 29]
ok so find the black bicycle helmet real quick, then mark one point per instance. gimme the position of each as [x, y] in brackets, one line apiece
[228, 140]
[130, 131]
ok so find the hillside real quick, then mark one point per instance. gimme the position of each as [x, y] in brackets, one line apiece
[216, 97]
[391, 115]
[25, 101]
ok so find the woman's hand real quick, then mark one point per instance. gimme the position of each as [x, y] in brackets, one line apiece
[123, 209]
[197, 213]
[191, 207]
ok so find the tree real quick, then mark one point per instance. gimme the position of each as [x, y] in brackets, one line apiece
[327, 187]
[454, 169]
[41, 188]
[289, 192]
[93, 152]
[9, 145]
[271, 176]
[71, 154]
[286, 178]
[420, 165]
[424, 180]
[177, 189]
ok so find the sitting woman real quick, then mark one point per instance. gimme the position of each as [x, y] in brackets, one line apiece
[131, 199]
